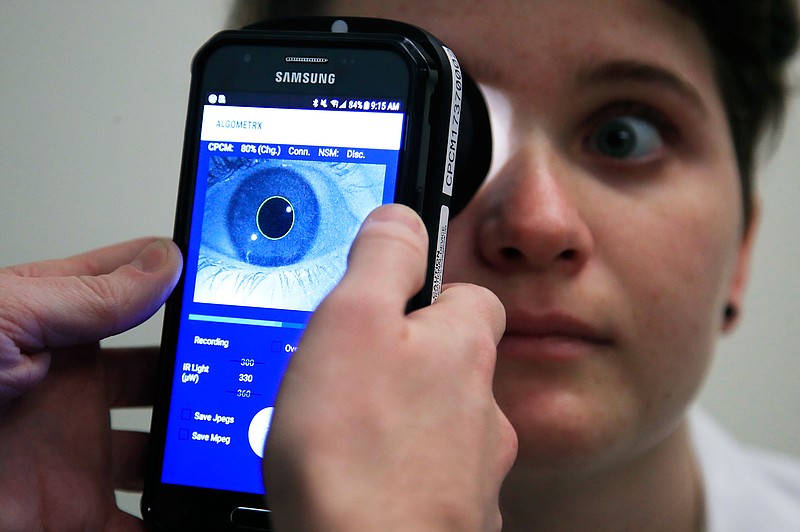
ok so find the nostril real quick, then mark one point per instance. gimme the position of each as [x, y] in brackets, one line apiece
[567, 254]
[510, 253]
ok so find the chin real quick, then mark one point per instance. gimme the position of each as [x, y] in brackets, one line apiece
[568, 428]
[565, 435]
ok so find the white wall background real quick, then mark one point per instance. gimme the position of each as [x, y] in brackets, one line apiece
[92, 106]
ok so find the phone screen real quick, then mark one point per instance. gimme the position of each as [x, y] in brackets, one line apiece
[283, 182]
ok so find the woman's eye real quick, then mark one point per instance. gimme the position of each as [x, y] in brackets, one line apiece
[626, 137]
[272, 218]
[276, 233]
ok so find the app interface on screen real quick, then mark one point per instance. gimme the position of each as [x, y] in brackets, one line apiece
[281, 192]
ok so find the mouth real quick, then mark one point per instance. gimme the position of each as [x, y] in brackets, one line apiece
[552, 336]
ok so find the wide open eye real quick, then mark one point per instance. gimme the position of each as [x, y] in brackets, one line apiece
[273, 217]
[276, 233]
[626, 137]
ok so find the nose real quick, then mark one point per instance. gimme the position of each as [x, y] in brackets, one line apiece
[531, 215]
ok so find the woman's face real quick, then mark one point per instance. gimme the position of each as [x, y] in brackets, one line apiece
[610, 225]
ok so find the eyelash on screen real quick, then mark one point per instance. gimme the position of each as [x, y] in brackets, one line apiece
[219, 266]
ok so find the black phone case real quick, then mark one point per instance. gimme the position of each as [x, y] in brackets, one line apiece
[426, 173]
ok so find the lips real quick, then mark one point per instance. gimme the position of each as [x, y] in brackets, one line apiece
[551, 336]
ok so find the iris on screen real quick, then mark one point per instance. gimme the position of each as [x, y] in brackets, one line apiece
[273, 217]
[276, 232]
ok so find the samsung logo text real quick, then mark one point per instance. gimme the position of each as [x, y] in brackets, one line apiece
[306, 78]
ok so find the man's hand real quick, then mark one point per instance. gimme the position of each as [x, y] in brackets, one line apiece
[59, 462]
[387, 421]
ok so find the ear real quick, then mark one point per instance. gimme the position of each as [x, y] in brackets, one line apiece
[741, 273]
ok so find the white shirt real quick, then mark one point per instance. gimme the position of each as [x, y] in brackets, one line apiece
[746, 489]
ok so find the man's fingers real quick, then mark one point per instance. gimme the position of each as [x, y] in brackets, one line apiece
[471, 303]
[20, 373]
[94, 262]
[388, 258]
[86, 306]
[105, 292]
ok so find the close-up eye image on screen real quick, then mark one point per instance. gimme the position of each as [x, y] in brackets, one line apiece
[276, 232]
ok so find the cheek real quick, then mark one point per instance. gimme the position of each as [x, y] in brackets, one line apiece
[462, 263]
[673, 261]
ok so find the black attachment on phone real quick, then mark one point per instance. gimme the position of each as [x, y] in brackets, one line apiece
[474, 153]
[262, 233]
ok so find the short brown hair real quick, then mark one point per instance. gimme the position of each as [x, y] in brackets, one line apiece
[751, 42]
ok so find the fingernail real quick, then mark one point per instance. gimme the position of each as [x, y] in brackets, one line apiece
[395, 213]
[152, 258]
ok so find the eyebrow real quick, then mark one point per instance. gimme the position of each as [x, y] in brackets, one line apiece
[627, 71]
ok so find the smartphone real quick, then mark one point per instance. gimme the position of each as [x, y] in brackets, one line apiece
[295, 131]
